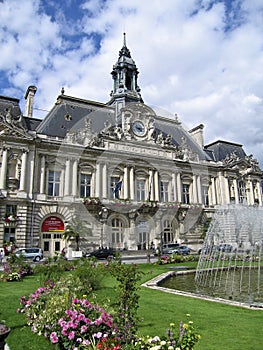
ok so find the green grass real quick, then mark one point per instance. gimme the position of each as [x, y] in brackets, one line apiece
[221, 326]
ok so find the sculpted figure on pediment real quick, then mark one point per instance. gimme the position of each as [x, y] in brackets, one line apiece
[185, 152]
[80, 136]
[12, 121]
[230, 158]
[253, 162]
[151, 129]
[160, 139]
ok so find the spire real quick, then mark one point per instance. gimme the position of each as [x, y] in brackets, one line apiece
[125, 74]
[124, 51]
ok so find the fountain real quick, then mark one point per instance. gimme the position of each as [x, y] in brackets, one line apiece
[231, 257]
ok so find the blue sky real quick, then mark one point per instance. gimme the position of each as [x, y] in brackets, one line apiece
[200, 59]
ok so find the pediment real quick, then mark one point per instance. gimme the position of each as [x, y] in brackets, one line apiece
[244, 166]
[13, 128]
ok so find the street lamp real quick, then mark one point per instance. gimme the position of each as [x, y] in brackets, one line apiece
[103, 214]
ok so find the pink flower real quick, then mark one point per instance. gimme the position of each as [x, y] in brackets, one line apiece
[83, 329]
[98, 335]
[81, 317]
[86, 342]
[64, 332]
[71, 335]
[53, 337]
[70, 324]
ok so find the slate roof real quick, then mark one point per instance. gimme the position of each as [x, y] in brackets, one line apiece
[222, 149]
[31, 123]
[11, 103]
[176, 130]
[70, 113]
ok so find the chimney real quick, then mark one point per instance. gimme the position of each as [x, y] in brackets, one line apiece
[197, 134]
[29, 97]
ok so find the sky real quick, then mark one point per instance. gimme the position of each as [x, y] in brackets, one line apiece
[199, 59]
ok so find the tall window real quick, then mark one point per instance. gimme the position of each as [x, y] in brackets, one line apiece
[85, 185]
[54, 183]
[10, 230]
[205, 196]
[168, 235]
[143, 234]
[9, 234]
[164, 191]
[186, 194]
[114, 180]
[140, 189]
[242, 192]
[11, 209]
[117, 233]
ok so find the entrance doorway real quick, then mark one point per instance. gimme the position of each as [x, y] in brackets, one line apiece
[52, 242]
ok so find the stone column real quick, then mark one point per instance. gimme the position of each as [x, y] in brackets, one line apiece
[179, 188]
[97, 181]
[42, 173]
[150, 186]
[22, 184]
[104, 181]
[250, 197]
[75, 178]
[236, 191]
[227, 192]
[67, 177]
[3, 169]
[258, 187]
[223, 189]
[156, 186]
[213, 191]
[125, 182]
[174, 189]
[132, 183]
[199, 190]
[194, 189]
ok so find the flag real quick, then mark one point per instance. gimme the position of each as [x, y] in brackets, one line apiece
[117, 189]
[150, 185]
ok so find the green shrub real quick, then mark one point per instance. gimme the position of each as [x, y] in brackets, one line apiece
[127, 301]
[15, 269]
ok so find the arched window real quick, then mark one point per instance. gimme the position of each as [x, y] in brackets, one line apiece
[117, 233]
[143, 235]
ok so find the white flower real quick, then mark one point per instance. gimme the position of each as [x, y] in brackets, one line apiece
[155, 339]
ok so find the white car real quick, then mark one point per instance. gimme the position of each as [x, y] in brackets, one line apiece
[35, 254]
[181, 250]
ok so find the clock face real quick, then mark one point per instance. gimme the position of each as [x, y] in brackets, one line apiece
[138, 128]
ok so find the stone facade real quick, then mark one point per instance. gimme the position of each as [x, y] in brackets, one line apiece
[134, 177]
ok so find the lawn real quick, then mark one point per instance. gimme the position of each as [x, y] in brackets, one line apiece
[221, 326]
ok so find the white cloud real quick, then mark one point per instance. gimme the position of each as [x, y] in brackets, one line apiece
[189, 63]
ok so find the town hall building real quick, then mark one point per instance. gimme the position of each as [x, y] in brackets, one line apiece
[135, 178]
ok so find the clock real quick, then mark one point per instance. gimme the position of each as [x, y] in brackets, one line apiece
[138, 128]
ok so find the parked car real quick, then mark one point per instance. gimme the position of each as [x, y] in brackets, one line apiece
[103, 253]
[206, 250]
[227, 248]
[167, 247]
[34, 254]
[181, 250]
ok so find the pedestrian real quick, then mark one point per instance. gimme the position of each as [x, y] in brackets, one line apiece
[1, 256]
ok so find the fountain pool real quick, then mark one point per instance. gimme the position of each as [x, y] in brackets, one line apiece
[231, 263]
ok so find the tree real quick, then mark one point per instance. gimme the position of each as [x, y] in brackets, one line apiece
[76, 229]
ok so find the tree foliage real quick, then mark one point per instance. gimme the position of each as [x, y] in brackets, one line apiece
[76, 229]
